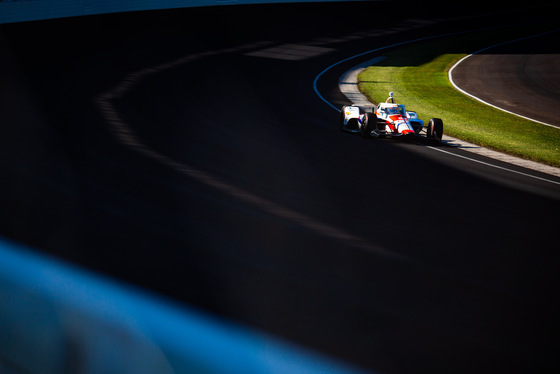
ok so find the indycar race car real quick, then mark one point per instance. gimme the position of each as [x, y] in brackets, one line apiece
[388, 120]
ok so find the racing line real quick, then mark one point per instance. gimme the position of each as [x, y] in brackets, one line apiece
[127, 136]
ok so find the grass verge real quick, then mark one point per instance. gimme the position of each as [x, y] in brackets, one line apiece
[418, 74]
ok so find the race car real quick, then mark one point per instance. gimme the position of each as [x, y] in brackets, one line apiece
[388, 120]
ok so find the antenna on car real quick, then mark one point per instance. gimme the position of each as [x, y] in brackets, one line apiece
[390, 99]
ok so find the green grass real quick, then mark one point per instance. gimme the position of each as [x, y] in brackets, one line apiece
[418, 75]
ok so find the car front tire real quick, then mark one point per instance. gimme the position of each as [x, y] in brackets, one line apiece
[435, 129]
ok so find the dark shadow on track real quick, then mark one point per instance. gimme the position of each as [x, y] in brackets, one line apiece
[473, 288]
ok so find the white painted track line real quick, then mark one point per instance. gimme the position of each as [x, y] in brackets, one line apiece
[450, 77]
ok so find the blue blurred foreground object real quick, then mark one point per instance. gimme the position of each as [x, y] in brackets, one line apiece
[56, 318]
[31, 10]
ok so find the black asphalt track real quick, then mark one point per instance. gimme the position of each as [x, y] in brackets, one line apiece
[218, 178]
[522, 77]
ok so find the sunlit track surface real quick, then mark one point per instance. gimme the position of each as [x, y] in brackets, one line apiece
[205, 168]
[520, 77]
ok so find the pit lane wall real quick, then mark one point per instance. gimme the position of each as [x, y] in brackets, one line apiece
[30, 10]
